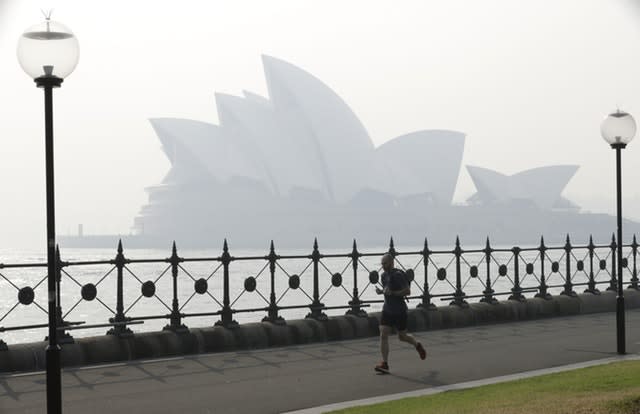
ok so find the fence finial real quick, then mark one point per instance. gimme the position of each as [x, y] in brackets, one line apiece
[315, 243]
[120, 246]
[225, 246]
[174, 250]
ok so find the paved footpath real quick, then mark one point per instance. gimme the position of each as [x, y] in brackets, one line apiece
[286, 379]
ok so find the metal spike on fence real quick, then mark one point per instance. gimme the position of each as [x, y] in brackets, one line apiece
[488, 291]
[568, 286]
[634, 271]
[392, 249]
[355, 300]
[591, 286]
[426, 295]
[175, 323]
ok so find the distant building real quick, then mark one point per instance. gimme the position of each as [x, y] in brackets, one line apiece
[300, 163]
[541, 187]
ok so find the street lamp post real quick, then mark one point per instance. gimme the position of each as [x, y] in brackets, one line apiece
[618, 129]
[48, 52]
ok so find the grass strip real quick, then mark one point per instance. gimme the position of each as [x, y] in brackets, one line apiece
[606, 389]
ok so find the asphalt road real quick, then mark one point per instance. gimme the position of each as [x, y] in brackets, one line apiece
[285, 379]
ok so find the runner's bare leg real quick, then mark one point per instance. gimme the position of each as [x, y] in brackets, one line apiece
[384, 342]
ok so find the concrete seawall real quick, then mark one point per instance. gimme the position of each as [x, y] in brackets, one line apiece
[108, 348]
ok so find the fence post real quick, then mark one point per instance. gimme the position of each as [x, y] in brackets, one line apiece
[634, 274]
[517, 289]
[226, 313]
[119, 330]
[63, 336]
[426, 296]
[591, 287]
[355, 301]
[488, 291]
[613, 282]
[176, 318]
[542, 289]
[459, 295]
[316, 306]
[273, 306]
[568, 286]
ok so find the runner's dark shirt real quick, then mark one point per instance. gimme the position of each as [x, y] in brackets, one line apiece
[395, 280]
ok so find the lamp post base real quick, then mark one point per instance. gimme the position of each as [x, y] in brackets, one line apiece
[54, 380]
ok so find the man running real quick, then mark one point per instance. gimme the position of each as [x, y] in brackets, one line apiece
[394, 311]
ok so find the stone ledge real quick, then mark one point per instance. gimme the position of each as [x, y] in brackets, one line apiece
[144, 345]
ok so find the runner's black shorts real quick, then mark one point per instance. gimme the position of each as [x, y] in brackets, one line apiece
[397, 320]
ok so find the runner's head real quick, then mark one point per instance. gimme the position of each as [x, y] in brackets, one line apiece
[387, 262]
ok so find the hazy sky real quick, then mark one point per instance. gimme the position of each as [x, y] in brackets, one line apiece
[528, 81]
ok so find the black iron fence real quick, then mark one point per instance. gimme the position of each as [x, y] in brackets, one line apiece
[317, 282]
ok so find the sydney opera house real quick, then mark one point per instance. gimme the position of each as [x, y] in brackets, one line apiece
[299, 164]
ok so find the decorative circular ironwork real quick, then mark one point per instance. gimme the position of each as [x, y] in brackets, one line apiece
[625, 262]
[603, 264]
[410, 275]
[250, 284]
[374, 277]
[555, 266]
[473, 271]
[442, 273]
[502, 270]
[89, 292]
[148, 289]
[580, 265]
[294, 282]
[529, 268]
[201, 286]
[336, 279]
[26, 295]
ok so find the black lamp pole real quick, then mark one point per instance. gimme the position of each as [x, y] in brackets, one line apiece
[620, 297]
[54, 376]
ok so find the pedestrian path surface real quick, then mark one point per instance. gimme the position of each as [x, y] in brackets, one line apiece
[295, 378]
